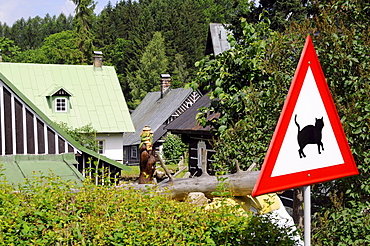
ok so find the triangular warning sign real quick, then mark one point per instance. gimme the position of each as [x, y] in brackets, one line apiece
[309, 145]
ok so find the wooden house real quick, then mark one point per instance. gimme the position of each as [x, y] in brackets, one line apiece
[157, 110]
[198, 138]
[31, 142]
[77, 95]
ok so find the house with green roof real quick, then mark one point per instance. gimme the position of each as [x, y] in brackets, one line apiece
[77, 95]
[32, 144]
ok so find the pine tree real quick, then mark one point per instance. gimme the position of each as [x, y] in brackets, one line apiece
[152, 63]
[84, 20]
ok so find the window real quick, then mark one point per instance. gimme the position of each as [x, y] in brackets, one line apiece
[101, 147]
[133, 152]
[202, 153]
[60, 104]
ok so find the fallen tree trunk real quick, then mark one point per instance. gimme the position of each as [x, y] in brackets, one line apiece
[239, 184]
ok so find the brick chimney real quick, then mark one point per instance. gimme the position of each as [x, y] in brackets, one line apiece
[165, 84]
[97, 59]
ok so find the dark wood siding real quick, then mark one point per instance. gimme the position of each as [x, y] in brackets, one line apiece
[30, 133]
[19, 127]
[70, 149]
[61, 145]
[40, 137]
[193, 159]
[128, 159]
[51, 141]
[8, 123]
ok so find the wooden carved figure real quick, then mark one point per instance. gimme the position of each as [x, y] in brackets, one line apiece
[147, 159]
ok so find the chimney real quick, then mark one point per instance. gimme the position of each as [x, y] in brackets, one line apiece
[97, 59]
[165, 84]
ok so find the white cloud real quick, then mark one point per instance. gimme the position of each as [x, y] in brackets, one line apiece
[68, 7]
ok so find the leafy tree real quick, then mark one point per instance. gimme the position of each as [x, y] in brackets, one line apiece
[281, 12]
[249, 84]
[173, 148]
[58, 48]
[153, 63]
[62, 48]
[245, 96]
[8, 49]
[85, 135]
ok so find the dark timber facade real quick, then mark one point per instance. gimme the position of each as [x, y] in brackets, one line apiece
[22, 131]
[25, 130]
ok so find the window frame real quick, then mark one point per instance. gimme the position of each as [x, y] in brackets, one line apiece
[133, 152]
[101, 146]
[61, 100]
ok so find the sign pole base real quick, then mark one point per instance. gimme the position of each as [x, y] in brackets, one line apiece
[307, 215]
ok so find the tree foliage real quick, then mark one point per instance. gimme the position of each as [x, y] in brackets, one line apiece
[83, 22]
[30, 33]
[249, 84]
[245, 95]
[173, 148]
[85, 135]
[58, 48]
[8, 49]
[152, 63]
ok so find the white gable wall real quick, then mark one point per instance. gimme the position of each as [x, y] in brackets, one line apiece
[113, 145]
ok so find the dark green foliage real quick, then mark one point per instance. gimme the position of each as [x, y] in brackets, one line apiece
[342, 225]
[153, 62]
[46, 212]
[173, 148]
[249, 85]
[245, 94]
[58, 48]
[83, 22]
[30, 33]
[85, 135]
[8, 49]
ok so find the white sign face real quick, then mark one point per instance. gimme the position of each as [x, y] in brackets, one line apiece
[309, 142]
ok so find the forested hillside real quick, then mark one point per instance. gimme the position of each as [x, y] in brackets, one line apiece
[125, 32]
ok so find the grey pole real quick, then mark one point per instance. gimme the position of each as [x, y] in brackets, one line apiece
[307, 215]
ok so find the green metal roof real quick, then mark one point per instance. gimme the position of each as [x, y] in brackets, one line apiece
[17, 168]
[96, 95]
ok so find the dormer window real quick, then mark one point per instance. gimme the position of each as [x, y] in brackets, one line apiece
[61, 104]
[58, 99]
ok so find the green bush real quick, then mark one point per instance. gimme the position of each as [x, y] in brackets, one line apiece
[47, 212]
[173, 148]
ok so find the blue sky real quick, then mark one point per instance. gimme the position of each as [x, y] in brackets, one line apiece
[12, 10]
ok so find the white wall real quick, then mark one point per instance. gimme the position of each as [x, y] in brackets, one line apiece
[113, 145]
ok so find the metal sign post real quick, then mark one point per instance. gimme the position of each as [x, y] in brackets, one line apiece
[307, 215]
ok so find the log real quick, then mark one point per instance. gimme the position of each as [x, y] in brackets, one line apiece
[239, 184]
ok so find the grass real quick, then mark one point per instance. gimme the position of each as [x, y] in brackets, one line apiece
[135, 170]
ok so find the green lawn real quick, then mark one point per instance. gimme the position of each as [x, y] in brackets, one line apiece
[135, 170]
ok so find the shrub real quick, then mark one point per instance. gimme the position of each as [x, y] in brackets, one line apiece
[46, 212]
[173, 148]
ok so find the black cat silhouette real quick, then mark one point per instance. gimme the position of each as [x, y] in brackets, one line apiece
[310, 135]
